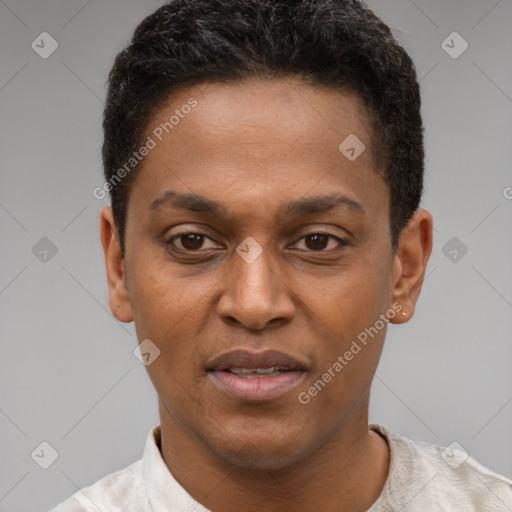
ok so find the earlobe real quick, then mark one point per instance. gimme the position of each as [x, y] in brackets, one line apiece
[115, 265]
[410, 263]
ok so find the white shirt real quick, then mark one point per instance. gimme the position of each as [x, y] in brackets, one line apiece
[422, 477]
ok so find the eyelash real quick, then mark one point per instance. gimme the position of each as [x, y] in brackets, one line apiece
[341, 242]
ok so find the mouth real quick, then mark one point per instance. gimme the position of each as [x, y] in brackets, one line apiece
[256, 377]
[258, 373]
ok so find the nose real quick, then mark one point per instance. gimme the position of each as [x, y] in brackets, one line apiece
[255, 295]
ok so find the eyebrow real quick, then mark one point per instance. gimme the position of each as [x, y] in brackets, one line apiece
[321, 204]
[304, 206]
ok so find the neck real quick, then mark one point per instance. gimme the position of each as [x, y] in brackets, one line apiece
[346, 473]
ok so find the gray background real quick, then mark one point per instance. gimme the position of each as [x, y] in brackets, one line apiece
[68, 375]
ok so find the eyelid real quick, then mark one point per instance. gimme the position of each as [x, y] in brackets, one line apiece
[172, 238]
[341, 242]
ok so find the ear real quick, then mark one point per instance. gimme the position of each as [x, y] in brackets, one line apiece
[114, 262]
[410, 263]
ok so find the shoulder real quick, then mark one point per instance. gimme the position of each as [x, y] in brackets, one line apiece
[428, 476]
[119, 491]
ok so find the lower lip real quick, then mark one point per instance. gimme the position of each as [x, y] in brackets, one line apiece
[259, 388]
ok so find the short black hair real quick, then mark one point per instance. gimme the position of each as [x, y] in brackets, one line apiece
[336, 43]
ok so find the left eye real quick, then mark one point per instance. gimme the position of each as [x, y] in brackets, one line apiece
[320, 241]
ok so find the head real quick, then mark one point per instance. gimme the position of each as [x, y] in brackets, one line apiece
[273, 167]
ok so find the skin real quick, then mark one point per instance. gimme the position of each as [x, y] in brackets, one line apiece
[254, 146]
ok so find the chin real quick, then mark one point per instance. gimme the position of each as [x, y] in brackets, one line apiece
[260, 452]
[255, 459]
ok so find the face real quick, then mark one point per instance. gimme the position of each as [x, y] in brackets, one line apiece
[257, 256]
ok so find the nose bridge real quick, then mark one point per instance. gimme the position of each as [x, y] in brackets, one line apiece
[253, 276]
[254, 293]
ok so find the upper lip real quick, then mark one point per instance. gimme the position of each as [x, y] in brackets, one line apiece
[251, 360]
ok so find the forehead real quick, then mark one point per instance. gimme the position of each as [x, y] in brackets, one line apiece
[275, 111]
[259, 138]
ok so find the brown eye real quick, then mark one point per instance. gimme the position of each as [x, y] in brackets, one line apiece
[317, 242]
[320, 242]
[191, 241]
[188, 241]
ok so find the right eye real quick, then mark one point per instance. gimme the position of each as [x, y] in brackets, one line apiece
[189, 241]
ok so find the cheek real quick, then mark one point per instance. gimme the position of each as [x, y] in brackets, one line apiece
[160, 299]
[352, 300]
[346, 362]
[347, 317]
[173, 312]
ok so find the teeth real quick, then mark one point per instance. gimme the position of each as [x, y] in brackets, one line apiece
[253, 370]
[256, 372]
[266, 370]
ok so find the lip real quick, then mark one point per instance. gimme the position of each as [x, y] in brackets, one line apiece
[261, 388]
[253, 360]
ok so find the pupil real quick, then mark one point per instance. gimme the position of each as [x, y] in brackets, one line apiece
[193, 241]
[315, 239]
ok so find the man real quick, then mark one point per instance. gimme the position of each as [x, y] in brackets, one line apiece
[265, 165]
